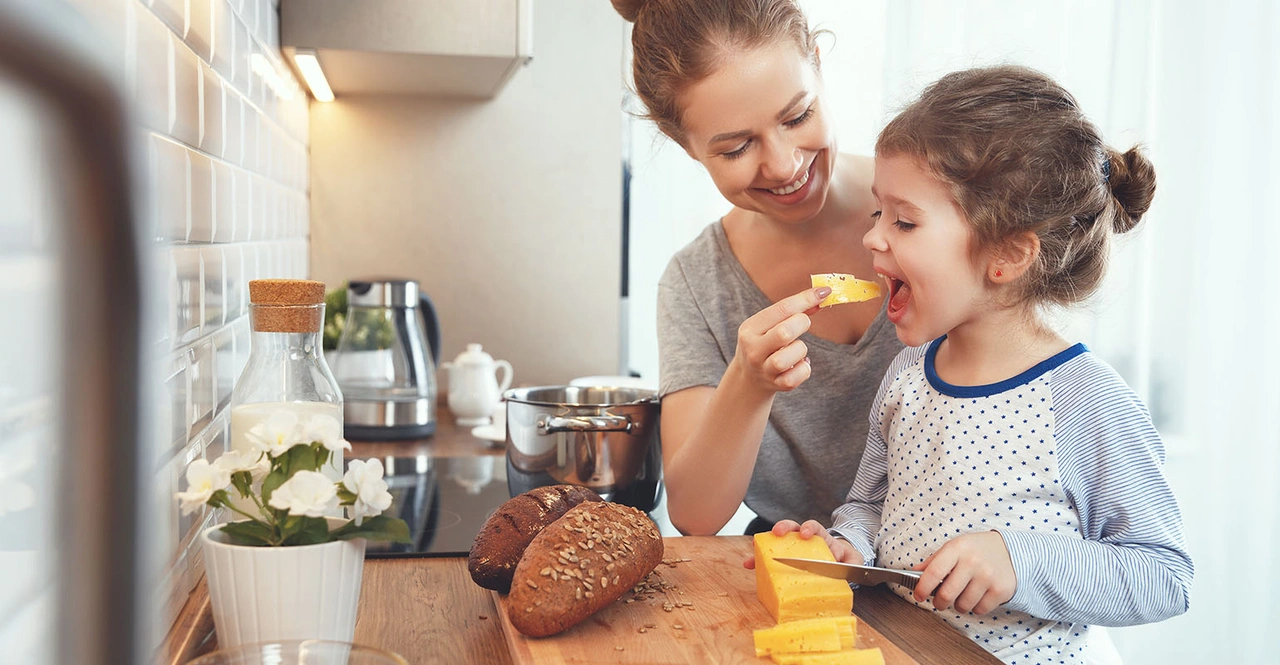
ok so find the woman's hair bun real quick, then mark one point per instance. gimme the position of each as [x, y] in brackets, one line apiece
[629, 9]
[1133, 184]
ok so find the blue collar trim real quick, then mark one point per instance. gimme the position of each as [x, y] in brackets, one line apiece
[1046, 365]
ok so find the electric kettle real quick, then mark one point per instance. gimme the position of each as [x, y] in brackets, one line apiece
[385, 361]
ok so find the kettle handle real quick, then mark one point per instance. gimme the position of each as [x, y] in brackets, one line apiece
[432, 324]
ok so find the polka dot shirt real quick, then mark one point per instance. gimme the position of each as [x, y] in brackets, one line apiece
[944, 460]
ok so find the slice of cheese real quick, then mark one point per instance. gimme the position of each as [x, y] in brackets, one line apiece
[823, 634]
[847, 657]
[845, 288]
[790, 593]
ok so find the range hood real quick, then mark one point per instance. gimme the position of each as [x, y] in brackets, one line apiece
[450, 48]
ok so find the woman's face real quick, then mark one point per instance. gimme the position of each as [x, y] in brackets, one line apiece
[758, 125]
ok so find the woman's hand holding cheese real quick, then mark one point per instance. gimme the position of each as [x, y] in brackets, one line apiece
[770, 355]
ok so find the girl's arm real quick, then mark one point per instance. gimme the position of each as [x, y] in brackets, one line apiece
[858, 520]
[1132, 566]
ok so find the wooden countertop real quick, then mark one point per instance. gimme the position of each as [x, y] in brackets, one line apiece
[428, 610]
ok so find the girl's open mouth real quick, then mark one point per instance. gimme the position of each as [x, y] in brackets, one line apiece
[899, 297]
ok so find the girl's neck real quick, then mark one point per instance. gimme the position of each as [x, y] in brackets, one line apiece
[999, 346]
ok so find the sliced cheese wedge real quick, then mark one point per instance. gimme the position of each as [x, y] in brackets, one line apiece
[847, 657]
[808, 635]
[789, 593]
[845, 288]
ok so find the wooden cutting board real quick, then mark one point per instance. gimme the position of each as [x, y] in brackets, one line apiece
[715, 629]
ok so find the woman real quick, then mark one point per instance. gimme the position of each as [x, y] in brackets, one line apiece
[761, 401]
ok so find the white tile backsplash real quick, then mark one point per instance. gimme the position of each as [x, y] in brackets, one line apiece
[225, 161]
[212, 117]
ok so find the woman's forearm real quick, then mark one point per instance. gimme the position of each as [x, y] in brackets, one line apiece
[710, 442]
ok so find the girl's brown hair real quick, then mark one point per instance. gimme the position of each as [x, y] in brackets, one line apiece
[676, 43]
[1020, 156]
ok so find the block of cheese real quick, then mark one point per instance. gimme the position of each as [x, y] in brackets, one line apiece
[847, 657]
[844, 288]
[790, 593]
[822, 634]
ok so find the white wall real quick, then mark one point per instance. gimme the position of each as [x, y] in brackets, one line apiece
[507, 211]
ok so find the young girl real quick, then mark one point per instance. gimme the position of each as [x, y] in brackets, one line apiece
[1016, 470]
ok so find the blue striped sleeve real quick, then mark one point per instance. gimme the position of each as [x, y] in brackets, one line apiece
[1131, 565]
[858, 519]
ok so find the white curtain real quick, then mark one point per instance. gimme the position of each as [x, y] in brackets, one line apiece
[1191, 309]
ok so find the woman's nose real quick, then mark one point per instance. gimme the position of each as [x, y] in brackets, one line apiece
[782, 161]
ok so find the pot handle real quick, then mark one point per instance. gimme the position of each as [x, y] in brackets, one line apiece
[553, 424]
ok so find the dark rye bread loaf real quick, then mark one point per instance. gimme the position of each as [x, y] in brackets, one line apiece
[582, 563]
[509, 530]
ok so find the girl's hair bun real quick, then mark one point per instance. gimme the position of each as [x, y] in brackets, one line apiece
[1133, 184]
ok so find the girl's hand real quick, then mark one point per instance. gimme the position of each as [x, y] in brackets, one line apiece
[770, 355]
[973, 572]
[842, 550]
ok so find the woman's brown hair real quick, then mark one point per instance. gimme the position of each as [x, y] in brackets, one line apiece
[676, 43]
[1019, 155]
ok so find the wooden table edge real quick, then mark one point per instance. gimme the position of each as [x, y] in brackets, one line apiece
[908, 626]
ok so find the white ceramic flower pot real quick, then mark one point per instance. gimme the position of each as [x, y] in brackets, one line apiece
[268, 594]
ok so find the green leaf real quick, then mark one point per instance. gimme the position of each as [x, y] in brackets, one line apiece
[345, 496]
[217, 499]
[381, 527]
[302, 458]
[249, 532]
[309, 531]
[242, 480]
[271, 482]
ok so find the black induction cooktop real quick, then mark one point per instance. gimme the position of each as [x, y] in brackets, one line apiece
[445, 501]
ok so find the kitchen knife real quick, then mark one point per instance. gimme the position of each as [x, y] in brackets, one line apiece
[862, 575]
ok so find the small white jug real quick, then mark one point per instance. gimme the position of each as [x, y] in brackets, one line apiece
[474, 388]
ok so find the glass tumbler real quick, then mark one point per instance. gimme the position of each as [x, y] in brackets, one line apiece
[300, 652]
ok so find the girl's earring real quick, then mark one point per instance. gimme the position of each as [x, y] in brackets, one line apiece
[999, 273]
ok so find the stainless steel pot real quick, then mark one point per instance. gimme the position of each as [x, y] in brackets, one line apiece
[601, 437]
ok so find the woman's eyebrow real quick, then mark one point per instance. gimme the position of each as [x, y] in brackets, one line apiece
[744, 133]
[786, 111]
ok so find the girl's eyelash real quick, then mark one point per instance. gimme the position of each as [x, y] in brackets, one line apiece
[875, 215]
[904, 225]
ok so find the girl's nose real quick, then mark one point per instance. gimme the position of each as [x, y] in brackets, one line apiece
[782, 161]
[873, 239]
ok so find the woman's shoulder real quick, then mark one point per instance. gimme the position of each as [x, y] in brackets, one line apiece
[702, 255]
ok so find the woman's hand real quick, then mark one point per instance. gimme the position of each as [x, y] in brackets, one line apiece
[973, 572]
[840, 549]
[770, 355]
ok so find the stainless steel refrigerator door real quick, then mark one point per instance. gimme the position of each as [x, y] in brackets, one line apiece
[70, 353]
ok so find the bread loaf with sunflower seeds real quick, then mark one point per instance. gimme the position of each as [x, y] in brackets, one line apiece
[580, 564]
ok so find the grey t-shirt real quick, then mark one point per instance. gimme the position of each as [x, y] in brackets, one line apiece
[816, 433]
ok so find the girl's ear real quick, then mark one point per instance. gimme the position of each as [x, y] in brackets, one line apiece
[1014, 258]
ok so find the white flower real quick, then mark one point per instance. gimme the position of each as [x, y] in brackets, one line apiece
[235, 461]
[327, 430]
[364, 479]
[307, 493]
[203, 479]
[277, 435]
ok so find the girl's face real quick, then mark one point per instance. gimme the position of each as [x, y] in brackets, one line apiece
[921, 247]
[758, 126]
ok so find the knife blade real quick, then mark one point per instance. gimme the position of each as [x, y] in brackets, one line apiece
[861, 575]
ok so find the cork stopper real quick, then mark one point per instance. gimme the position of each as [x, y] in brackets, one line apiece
[286, 305]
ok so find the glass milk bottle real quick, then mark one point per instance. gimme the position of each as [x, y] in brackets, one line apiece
[286, 371]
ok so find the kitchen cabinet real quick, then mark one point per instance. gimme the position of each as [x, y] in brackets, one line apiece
[448, 48]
